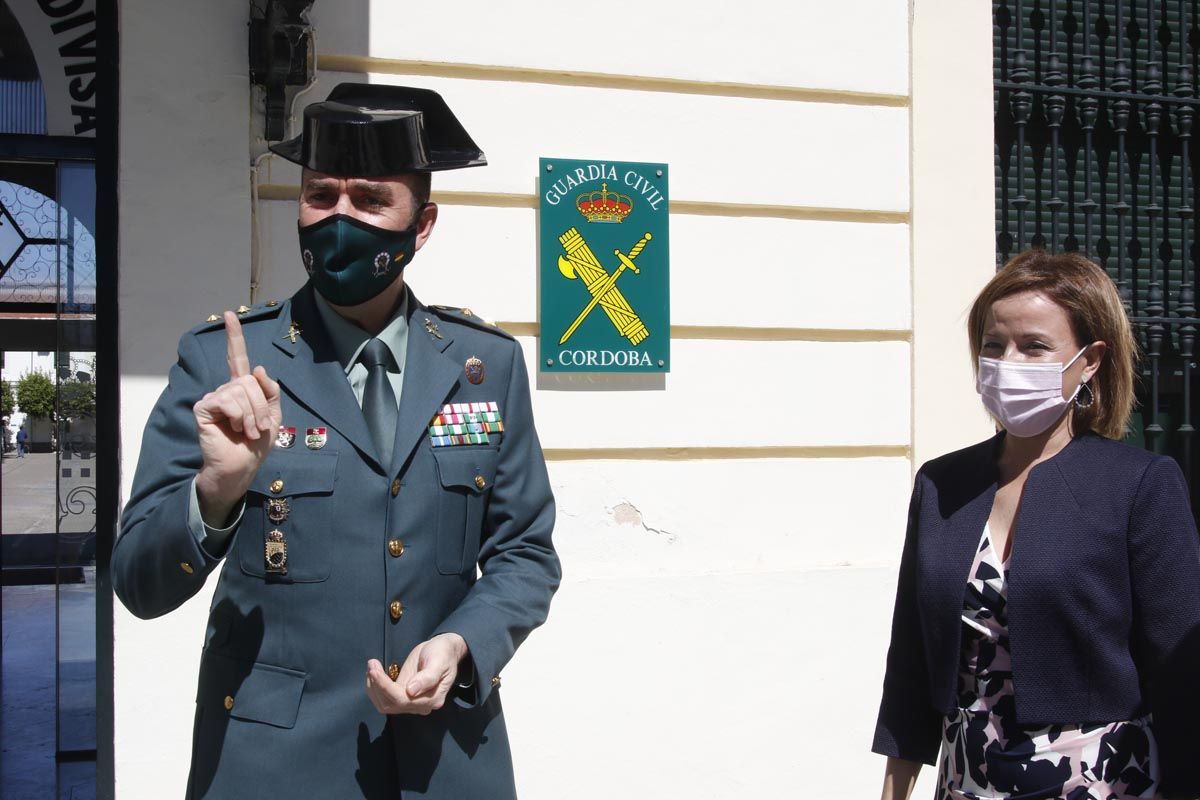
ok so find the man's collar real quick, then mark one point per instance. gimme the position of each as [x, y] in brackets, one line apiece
[348, 339]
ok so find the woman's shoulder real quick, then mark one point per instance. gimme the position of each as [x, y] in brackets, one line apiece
[1088, 449]
[967, 460]
[1098, 455]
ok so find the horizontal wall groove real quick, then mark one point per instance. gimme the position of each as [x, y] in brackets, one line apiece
[280, 191]
[605, 80]
[724, 453]
[741, 333]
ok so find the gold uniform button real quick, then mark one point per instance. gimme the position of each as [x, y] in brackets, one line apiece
[395, 487]
[495, 681]
[480, 481]
[394, 671]
[228, 703]
[396, 548]
[396, 609]
[186, 567]
[276, 486]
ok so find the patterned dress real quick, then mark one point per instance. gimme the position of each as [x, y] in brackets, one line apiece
[987, 754]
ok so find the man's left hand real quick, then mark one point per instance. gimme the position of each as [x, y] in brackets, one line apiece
[424, 680]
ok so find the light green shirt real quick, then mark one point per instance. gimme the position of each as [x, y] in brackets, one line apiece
[348, 341]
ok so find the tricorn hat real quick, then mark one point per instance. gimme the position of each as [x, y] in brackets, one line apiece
[371, 130]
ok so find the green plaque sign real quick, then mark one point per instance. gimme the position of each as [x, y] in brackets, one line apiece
[604, 272]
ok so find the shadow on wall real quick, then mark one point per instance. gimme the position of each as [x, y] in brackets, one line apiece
[601, 382]
[185, 225]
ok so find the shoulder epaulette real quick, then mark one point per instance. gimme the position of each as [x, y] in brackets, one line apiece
[267, 310]
[468, 317]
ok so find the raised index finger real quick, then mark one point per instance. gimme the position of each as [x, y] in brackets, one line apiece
[235, 352]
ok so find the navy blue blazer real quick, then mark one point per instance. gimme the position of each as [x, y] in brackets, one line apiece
[1103, 598]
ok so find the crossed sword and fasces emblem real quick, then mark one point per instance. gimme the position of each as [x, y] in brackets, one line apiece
[580, 262]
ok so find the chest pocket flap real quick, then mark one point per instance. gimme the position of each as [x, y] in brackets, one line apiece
[470, 470]
[299, 473]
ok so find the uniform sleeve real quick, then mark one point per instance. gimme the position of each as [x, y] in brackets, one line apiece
[157, 561]
[908, 725]
[519, 569]
[1164, 564]
[215, 541]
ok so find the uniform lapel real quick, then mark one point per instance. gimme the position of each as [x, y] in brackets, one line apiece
[429, 375]
[313, 375]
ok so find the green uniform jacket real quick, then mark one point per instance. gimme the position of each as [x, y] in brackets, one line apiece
[281, 706]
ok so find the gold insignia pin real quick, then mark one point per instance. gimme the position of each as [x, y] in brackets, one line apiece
[213, 318]
[293, 331]
[243, 309]
[272, 303]
[432, 328]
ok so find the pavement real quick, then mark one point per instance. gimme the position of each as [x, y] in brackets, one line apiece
[27, 493]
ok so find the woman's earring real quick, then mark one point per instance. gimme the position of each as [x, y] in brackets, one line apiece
[1080, 401]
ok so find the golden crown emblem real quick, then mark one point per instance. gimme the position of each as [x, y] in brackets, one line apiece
[604, 206]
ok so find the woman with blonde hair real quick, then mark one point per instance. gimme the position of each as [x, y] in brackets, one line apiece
[1047, 621]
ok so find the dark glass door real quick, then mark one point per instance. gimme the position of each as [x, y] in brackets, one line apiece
[48, 481]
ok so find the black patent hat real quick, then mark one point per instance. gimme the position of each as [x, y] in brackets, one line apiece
[372, 130]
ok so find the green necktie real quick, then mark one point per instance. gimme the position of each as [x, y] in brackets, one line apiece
[379, 401]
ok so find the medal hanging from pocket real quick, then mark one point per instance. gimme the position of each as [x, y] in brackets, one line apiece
[276, 553]
[275, 544]
[278, 509]
[281, 538]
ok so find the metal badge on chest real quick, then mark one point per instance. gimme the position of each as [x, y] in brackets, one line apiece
[315, 438]
[474, 369]
[286, 437]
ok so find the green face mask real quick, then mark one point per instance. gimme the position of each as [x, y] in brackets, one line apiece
[350, 261]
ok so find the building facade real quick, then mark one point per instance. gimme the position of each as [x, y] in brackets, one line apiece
[724, 616]
[729, 531]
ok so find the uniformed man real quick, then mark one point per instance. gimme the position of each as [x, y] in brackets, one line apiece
[378, 451]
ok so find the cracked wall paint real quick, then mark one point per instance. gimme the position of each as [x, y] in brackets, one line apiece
[626, 513]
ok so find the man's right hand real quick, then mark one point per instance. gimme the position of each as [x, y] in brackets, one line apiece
[237, 424]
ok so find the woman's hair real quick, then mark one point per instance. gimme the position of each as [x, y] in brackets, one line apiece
[1094, 308]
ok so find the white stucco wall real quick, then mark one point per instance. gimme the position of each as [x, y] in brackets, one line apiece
[954, 230]
[184, 250]
[722, 625]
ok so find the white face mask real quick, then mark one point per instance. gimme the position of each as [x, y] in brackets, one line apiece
[1026, 398]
